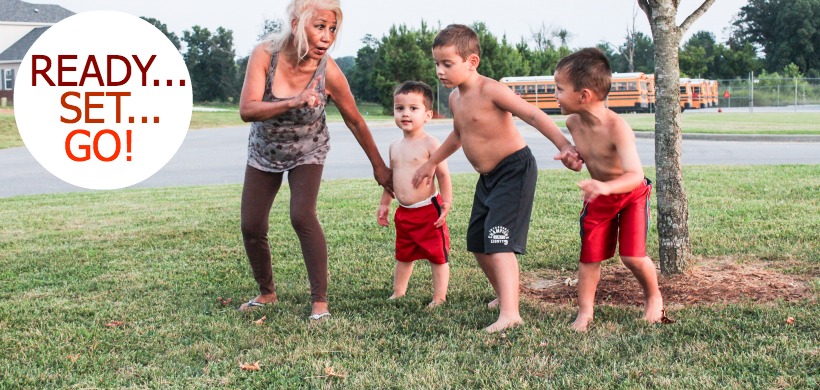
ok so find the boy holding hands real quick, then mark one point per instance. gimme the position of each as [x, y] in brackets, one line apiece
[483, 126]
[421, 230]
[616, 198]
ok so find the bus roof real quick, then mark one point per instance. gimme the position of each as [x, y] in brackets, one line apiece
[627, 75]
[526, 78]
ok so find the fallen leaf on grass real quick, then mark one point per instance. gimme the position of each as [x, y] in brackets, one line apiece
[73, 357]
[665, 319]
[113, 324]
[225, 302]
[260, 321]
[329, 371]
[571, 282]
[790, 320]
[543, 345]
[249, 367]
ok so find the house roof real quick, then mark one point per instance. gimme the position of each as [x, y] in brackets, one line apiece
[18, 50]
[22, 12]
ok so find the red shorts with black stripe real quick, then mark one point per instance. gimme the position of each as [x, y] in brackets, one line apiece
[416, 235]
[621, 218]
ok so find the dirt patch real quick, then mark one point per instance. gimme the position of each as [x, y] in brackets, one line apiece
[710, 281]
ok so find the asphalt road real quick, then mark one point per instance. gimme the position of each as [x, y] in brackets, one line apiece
[217, 156]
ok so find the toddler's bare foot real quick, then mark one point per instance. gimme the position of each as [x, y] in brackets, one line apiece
[436, 303]
[653, 311]
[503, 324]
[582, 322]
[493, 304]
[396, 296]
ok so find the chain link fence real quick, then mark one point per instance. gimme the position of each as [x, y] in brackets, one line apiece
[799, 94]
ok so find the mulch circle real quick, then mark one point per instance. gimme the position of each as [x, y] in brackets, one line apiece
[710, 281]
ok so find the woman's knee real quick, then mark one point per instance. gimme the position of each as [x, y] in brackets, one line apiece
[304, 221]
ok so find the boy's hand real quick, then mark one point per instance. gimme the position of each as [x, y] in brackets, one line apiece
[381, 215]
[593, 189]
[445, 209]
[570, 157]
[424, 175]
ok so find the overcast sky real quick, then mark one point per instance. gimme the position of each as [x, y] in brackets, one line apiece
[589, 21]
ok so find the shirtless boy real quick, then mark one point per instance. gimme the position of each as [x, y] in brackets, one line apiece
[616, 198]
[483, 126]
[421, 228]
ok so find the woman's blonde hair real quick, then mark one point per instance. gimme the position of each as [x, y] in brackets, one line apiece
[302, 11]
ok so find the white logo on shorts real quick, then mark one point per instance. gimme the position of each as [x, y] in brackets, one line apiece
[499, 235]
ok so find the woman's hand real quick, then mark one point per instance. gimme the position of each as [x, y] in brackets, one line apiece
[309, 97]
[384, 176]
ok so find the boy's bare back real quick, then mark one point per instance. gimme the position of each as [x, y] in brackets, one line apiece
[406, 156]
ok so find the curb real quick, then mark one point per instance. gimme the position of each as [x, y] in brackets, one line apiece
[739, 137]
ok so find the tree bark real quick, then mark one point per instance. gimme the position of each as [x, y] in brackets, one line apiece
[674, 246]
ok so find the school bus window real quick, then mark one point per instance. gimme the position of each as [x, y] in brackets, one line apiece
[541, 88]
[613, 87]
[551, 88]
[531, 89]
[633, 86]
[696, 89]
[621, 86]
[519, 89]
[683, 89]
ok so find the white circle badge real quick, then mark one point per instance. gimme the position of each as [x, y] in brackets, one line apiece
[103, 100]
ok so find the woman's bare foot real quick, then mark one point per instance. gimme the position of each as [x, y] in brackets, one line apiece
[582, 322]
[436, 303]
[653, 310]
[318, 308]
[503, 324]
[396, 296]
[493, 304]
[259, 301]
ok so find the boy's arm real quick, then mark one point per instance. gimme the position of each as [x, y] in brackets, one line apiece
[624, 140]
[508, 101]
[384, 209]
[445, 187]
[425, 172]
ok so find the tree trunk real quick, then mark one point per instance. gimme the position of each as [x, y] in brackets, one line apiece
[673, 207]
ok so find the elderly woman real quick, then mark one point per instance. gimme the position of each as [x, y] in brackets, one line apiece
[288, 82]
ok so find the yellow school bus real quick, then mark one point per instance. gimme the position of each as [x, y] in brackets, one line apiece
[685, 94]
[629, 92]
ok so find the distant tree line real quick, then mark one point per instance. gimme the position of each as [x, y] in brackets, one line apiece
[777, 38]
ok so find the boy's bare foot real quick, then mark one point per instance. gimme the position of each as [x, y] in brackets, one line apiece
[258, 301]
[504, 323]
[436, 303]
[493, 304]
[653, 310]
[582, 322]
[396, 296]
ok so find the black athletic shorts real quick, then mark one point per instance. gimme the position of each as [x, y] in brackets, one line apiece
[502, 206]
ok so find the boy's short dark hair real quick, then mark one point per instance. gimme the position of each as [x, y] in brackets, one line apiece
[463, 38]
[417, 87]
[587, 68]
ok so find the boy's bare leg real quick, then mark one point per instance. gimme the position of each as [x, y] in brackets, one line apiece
[491, 278]
[441, 280]
[401, 277]
[644, 270]
[588, 276]
[503, 268]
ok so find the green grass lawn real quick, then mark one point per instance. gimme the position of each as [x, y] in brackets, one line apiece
[159, 259]
[724, 123]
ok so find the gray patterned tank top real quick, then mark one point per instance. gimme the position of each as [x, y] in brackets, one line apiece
[296, 137]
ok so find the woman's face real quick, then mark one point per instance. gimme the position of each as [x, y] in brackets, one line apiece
[320, 32]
